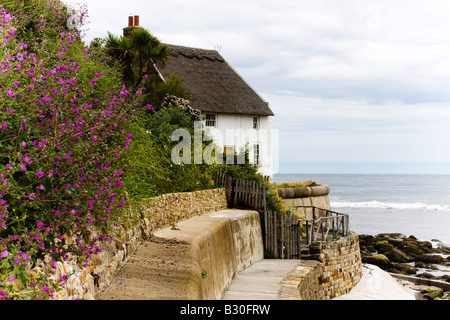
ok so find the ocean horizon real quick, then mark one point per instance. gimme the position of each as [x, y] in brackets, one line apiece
[411, 204]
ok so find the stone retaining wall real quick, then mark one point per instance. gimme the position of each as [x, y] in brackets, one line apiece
[155, 213]
[336, 271]
[316, 196]
[171, 208]
[303, 283]
[341, 265]
[220, 245]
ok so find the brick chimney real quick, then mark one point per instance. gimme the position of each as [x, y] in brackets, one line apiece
[133, 23]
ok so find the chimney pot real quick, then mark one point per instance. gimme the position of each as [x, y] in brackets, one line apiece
[130, 21]
[136, 21]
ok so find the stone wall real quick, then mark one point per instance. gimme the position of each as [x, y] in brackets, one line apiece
[171, 208]
[219, 245]
[316, 196]
[341, 265]
[336, 271]
[303, 283]
[153, 214]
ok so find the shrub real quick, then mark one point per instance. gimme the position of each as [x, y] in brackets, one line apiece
[177, 178]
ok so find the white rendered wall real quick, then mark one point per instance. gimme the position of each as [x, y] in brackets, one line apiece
[237, 130]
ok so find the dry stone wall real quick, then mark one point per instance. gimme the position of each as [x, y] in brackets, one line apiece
[341, 265]
[335, 270]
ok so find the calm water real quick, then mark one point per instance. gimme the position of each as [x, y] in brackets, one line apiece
[416, 205]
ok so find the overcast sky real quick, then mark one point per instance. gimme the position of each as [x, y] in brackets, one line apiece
[356, 86]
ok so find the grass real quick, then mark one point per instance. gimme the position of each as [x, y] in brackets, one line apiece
[295, 184]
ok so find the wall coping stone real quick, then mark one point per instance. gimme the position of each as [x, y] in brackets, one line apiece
[303, 192]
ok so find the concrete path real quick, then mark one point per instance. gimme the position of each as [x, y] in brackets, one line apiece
[260, 281]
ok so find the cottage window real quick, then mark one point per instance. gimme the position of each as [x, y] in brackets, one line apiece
[210, 120]
[228, 150]
[256, 153]
[255, 123]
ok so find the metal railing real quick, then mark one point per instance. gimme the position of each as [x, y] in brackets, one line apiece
[321, 228]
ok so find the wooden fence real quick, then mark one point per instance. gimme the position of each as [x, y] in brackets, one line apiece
[243, 193]
[285, 236]
[281, 233]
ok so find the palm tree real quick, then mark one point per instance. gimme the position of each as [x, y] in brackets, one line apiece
[120, 48]
[140, 51]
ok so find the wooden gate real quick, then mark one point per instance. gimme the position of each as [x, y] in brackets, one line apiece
[283, 235]
[281, 232]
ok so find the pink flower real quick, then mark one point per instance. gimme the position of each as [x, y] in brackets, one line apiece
[40, 173]
[24, 168]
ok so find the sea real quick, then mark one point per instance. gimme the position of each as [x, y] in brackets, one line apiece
[413, 204]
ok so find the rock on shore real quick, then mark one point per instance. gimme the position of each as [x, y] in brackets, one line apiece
[394, 252]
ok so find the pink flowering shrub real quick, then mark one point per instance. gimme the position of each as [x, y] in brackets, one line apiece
[62, 134]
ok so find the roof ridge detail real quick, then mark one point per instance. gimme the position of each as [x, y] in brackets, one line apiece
[196, 53]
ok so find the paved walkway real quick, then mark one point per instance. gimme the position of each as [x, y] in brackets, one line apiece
[260, 281]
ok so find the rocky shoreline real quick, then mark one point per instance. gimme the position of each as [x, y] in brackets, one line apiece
[398, 254]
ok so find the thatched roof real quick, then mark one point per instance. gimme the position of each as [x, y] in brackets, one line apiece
[212, 85]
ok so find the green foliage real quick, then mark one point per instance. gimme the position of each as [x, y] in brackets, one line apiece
[63, 130]
[137, 53]
[297, 184]
[145, 162]
[244, 171]
[177, 178]
[160, 90]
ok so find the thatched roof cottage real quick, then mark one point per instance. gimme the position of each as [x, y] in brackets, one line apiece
[232, 111]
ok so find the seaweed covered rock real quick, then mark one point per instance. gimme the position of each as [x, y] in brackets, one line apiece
[394, 252]
[379, 260]
[429, 258]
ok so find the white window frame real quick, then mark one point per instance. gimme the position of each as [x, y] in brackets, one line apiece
[256, 153]
[211, 120]
[256, 122]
